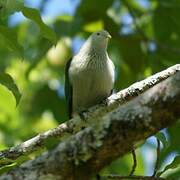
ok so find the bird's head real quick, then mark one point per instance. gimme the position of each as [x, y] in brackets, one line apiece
[100, 39]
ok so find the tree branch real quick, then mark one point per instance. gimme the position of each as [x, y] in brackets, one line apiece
[110, 132]
[76, 124]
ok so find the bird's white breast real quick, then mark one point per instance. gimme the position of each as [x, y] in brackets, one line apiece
[92, 79]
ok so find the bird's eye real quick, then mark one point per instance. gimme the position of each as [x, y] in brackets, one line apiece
[98, 34]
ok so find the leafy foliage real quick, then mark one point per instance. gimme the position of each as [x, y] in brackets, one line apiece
[146, 39]
[34, 15]
[9, 38]
[9, 6]
[161, 136]
[6, 80]
[173, 165]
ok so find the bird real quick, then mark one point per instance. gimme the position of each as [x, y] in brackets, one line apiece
[89, 75]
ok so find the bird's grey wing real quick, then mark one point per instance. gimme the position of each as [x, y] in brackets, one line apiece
[68, 89]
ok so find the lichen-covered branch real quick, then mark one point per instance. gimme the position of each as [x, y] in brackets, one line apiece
[74, 125]
[113, 132]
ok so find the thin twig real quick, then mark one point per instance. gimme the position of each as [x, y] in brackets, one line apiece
[157, 158]
[117, 177]
[98, 177]
[134, 162]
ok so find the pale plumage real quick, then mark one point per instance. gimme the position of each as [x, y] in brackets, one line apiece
[90, 74]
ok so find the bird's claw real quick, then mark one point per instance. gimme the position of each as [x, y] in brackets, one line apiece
[83, 114]
[104, 102]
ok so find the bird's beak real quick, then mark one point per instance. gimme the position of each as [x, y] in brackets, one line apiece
[109, 36]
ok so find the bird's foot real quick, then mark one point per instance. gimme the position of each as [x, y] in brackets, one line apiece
[83, 114]
[104, 102]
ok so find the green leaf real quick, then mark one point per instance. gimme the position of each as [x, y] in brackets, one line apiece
[9, 38]
[175, 163]
[7, 164]
[10, 6]
[34, 15]
[94, 26]
[7, 81]
[7, 168]
[161, 136]
[86, 8]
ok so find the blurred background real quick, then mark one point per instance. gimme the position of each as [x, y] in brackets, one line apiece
[145, 40]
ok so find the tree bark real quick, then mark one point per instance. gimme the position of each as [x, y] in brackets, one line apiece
[108, 133]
